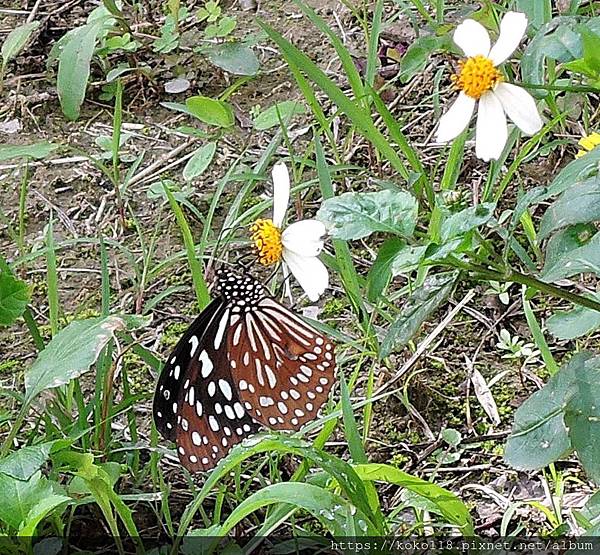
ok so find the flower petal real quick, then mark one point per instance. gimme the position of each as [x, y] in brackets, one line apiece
[281, 192]
[472, 38]
[512, 30]
[310, 273]
[520, 107]
[454, 121]
[304, 237]
[491, 132]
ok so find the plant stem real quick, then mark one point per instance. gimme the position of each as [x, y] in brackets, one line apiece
[524, 279]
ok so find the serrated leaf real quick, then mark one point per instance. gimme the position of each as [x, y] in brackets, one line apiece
[575, 173]
[74, 67]
[282, 110]
[357, 215]
[200, 161]
[70, 353]
[577, 322]
[16, 41]
[37, 151]
[418, 307]
[210, 111]
[234, 57]
[14, 296]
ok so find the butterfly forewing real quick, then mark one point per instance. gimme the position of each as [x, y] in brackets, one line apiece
[170, 382]
[203, 408]
[283, 367]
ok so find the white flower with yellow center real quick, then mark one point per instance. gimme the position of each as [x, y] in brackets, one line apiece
[479, 80]
[297, 246]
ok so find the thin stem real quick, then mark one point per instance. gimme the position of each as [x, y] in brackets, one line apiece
[517, 277]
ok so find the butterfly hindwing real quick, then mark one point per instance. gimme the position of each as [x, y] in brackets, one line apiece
[284, 368]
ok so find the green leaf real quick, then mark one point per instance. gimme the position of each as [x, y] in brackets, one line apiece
[23, 463]
[448, 505]
[459, 223]
[560, 40]
[416, 56]
[562, 416]
[19, 497]
[283, 111]
[357, 215]
[41, 510]
[70, 353]
[340, 470]
[74, 67]
[333, 512]
[234, 57]
[571, 251]
[381, 271]
[576, 205]
[574, 174]
[200, 161]
[577, 322]
[210, 111]
[16, 41]
[14, 296]
[418, 307]
[538, 12]
[37, 150]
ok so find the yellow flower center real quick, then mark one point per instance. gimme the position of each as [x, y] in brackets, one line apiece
[267, 240]
[476, 76]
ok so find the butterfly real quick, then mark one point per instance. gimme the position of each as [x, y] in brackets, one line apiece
[245, 362]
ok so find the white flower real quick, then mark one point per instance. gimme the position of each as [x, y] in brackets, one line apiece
[478, 79]
[297, 246]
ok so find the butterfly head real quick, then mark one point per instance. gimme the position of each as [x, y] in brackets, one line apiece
[242, 290]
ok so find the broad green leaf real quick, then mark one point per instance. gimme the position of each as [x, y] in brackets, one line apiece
[14, 296]
[200, 161]
[281, 111]
[74, 67]
[210, 111]
[18, 497]
[41, 510]
[576, 205]
[466, 220]
[23, 463]
[570, 251]
[418, 307]
[575, 173]
[560, 40]
[563, 416]
[37, 150]
[70, 353]
[357, 215]
[16, 41]
[448, 504]
[577, 322]
[583, 417]
[333, 512]
[234, 57]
